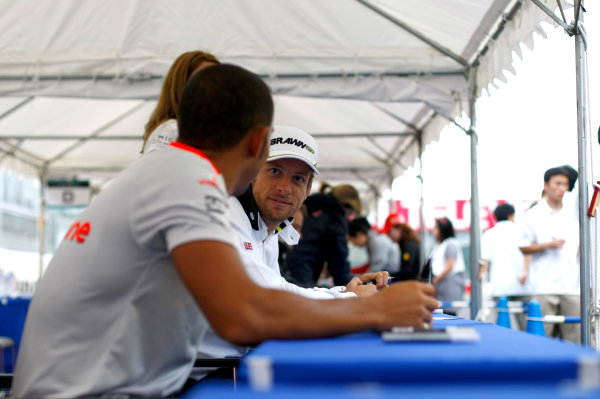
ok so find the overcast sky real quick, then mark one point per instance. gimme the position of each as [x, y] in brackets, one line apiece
[525, 126]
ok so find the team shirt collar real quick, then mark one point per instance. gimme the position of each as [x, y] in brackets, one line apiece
[185, 147]
[285, 230]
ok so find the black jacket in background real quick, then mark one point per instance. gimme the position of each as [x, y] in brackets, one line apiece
[323, 241]
[410, 261]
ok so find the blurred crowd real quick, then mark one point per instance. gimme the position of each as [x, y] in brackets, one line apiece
[534, 257]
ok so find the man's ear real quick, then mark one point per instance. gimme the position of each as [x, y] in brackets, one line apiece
[258, 141]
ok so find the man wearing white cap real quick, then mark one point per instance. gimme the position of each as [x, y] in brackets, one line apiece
[264, 213]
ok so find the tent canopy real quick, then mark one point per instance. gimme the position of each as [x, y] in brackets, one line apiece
[373, 80]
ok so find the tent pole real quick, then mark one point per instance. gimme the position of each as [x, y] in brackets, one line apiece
[421, 202]
[474, 231]
[42, 222]
[582, 135]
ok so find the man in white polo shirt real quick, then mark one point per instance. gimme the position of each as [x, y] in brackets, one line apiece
[500, 254]
[130, 291]
[263, 214]
[551, 236]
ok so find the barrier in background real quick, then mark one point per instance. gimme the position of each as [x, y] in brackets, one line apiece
[535, 319]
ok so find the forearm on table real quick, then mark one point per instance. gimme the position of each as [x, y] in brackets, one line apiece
[274, 314]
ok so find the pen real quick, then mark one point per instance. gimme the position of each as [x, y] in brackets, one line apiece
[430, 276]
[375, 281]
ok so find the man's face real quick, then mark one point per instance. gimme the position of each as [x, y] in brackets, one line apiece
[359, 240]
[556, 187]
[280, 188]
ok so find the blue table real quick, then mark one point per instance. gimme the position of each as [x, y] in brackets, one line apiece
[13, 312]
[408, 391]
[502, 355]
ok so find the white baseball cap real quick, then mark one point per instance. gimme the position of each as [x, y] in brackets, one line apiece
[291, 142]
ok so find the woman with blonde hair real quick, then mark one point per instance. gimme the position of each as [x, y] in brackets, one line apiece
[161, 128]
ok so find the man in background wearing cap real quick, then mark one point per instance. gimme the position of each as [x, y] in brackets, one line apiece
[551, 236]
[324, 236]
[264, 213]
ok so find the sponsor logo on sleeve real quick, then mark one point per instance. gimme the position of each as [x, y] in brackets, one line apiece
[215, 204]
[248, 246]
[211, 182]
[78, 232]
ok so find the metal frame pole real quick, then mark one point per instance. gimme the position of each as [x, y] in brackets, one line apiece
[583, 128]
[421, 202]
[42, 223]
[474, 231]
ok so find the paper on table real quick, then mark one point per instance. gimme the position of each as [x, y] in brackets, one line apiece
[454, 334]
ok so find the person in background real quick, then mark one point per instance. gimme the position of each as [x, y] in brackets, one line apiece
[384, 254]
[551, 236]
[508, 267]
[410, 247]
[324, 236]
[447, 264]
[161, 128]
[128, 322]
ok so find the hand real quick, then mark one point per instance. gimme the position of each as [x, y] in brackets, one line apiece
[557, 243]
[360, 289]
[406, 304]
[381, 278]
[523, 278]
[436, 280]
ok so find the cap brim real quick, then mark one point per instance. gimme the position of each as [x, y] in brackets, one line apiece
[293, 156]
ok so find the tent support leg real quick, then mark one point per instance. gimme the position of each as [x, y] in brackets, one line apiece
[583, 128]
[475, 229]
[421, 202]
[42, 223]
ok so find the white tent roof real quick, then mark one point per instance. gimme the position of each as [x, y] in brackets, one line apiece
[369, 78]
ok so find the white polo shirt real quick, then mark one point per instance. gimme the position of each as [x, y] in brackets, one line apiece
[500, 246]
[162, 136]
[111, 314]
[552, 271]
[259, 252]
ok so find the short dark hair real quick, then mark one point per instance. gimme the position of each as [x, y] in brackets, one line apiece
[559, 170]
[571, 174]
[358, 225]
[503, 211]
[445, 227]
[220, 104]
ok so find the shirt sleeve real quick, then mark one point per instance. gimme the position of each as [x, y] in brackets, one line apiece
[182, 211]
[451, 251]
[527, 234]
[317, 293]
[485, 246]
